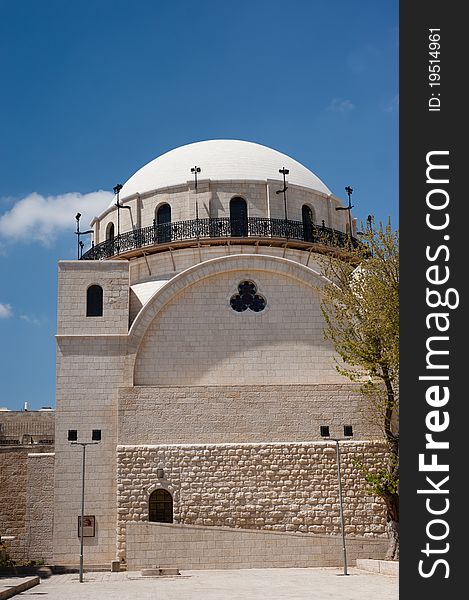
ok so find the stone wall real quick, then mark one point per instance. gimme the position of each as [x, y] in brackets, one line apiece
[164, 265]
[224, 414]
[277, 487]
[198, 339]
[90, 353]
[19, 483]
[75, 277]
[89, 372]
[192, 547]
[13, 493]
[27, 426]
[40, 506]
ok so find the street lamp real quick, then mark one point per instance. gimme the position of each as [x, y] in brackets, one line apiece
[348, 433]
[349, 191]
[116, 189]
[79, 233]
[283, 191]
[95, 439]
[196, 170]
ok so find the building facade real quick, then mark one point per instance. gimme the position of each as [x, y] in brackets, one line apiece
[191, 335]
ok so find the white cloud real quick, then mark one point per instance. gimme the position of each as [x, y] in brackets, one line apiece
[42, 218]
[393, 104]
[340, 105]
[32, 320]
[5, 311]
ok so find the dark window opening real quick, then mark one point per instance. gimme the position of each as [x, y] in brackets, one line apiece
[348, 430]
[160, 507]
[163, 223]
[239, 217]
[247, 298]
[308, 222]
[324, 430]
[94, 301]
[110, 232]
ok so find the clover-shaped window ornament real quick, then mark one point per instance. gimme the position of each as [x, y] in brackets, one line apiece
[247, 298]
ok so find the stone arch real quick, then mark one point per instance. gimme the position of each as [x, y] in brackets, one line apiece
[201, 271]
[160, 506]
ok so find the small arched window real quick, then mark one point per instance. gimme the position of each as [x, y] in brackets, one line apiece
[308, 222]
[239, 217]
[94, 301]
[163, 223]
[110, 232]
[160, 506]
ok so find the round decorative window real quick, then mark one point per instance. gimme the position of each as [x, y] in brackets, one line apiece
[247, 298]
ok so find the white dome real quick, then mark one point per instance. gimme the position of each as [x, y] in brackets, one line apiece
[219, 160]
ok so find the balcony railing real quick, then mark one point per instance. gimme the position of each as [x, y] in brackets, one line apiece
[219, 228]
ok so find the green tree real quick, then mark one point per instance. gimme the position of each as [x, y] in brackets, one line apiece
[361, 309]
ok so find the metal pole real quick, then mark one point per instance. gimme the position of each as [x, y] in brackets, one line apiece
[344, 549]
[78, 236]
[118, 222]
[285, 196]
[82, 511]
[349, 191]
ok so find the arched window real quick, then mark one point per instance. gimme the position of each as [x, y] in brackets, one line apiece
[110, 232]
[94, 301]
[238, 217]
[308, 222]
[163, 223]
[160, 506]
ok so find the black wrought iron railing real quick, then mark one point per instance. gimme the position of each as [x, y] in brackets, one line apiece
[224, 227]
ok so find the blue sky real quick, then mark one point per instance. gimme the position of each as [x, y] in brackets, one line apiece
[93, 90]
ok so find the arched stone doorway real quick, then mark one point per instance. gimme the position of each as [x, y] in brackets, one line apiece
[160, 506]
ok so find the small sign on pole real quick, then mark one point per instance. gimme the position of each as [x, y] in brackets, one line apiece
[88, 526]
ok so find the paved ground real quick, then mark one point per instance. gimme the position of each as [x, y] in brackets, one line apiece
[243, 584]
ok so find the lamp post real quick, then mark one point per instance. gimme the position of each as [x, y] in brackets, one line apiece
[196, 170]
[348, 432]
[79, 233]
[72, 438]
[283, 191]
[349, 191]
[116, 189]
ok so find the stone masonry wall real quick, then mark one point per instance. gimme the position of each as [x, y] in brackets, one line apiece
[15, 495]
[89, 372]
[276, 487]
[198, 339]
[224, 414]
[13, 477]
[90, 353]
[74, 279]
[195, 547]
[40, 506]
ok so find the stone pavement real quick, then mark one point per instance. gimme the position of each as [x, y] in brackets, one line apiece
[241, 584]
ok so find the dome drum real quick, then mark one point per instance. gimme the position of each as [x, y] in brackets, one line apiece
[166, 206]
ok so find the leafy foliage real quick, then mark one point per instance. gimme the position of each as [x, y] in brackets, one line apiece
[361, 310]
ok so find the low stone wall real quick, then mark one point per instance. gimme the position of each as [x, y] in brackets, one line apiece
[40, 506]
[193, 547]
[26, 501]
[290, 487]
[13, 492]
